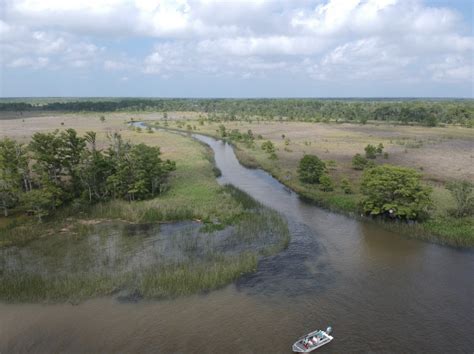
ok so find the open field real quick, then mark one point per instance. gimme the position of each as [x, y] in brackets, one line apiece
[440, 154]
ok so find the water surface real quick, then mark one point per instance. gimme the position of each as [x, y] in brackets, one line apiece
[380, 291]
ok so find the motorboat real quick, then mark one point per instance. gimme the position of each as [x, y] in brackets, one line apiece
[313, 341]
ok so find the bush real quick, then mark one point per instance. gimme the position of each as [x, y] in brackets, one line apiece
[222, 131]
[346, 186]
[370, 151]
[359, 162]
[310, 169]
[380, 148]
[462, 191]
[396, 192]
[268, 147]
[326, 184]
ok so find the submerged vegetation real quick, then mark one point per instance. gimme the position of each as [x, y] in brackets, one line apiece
[141, 260]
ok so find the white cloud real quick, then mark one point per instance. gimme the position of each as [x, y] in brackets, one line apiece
[330, 40]
[115, 65]
[452, 69]
[153, 63]
[36, 63]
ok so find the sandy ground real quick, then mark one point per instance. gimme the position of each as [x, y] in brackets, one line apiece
[442, 153]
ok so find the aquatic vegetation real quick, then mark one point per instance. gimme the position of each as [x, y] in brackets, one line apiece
[149, 259]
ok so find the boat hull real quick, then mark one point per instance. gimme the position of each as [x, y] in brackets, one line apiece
[311, 342]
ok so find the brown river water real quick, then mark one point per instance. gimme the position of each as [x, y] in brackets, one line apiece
[381, 292]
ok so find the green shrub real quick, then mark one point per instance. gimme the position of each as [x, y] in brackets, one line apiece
[395, 191]
[462, 191]
[359, 162]
[370, 151]
[268, 147]
[222, 131]
[310, 169]
[380, 148]
[326, 184]
[346, 186]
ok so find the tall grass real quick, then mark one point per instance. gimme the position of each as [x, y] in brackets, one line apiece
[111, 257]
[190, 278]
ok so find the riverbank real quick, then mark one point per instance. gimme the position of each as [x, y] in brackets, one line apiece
[440, 228]
[140, 249]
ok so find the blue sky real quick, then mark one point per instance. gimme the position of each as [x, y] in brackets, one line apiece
[244, 48]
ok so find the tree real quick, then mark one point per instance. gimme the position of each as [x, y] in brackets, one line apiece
[94, 170]
[359, 162]
[380, 148]
[13, 173]
[462, 191]
[39, 202]
[326, 184]
[396, 192]
[138, 172]
[71, 152]
[91, 138]
[370, 151]
[222, 131]
[46, 152]
[149, 170]
[310, 169]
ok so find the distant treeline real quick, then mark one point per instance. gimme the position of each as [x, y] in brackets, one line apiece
[425, 112]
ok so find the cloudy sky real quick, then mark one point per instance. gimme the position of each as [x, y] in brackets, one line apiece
[236, 48]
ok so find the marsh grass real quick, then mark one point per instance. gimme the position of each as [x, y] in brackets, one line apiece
[152, 260]
[191, 278]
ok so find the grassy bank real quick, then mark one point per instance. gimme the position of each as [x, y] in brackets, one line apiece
[440, 228]
[84, 251]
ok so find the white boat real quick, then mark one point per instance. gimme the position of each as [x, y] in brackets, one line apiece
[313, 341]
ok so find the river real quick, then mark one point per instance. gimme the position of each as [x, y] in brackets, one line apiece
[381, 292]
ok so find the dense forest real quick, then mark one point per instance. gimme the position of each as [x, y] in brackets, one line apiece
[423, 112]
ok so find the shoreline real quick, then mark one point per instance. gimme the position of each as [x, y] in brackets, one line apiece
[416, 230]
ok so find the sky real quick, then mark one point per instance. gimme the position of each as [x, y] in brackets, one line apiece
[237, 48]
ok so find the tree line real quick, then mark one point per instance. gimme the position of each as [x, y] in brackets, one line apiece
[424, 112]
[59, 167]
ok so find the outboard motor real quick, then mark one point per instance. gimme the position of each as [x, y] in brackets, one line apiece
[329, 330]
